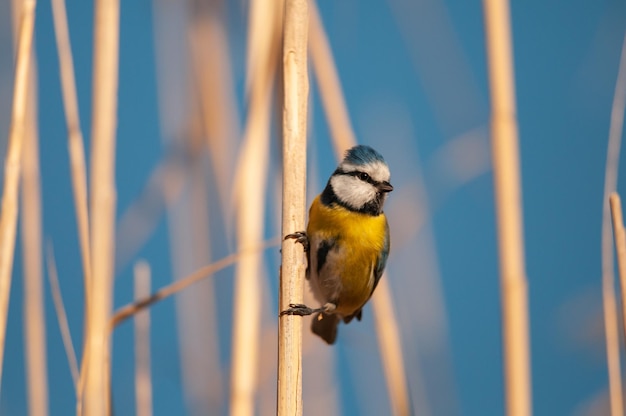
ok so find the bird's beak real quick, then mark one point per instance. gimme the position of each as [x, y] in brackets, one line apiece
[384, 187]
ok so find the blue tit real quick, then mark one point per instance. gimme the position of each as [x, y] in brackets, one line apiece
[346, 241]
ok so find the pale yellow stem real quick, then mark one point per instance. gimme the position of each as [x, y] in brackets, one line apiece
[331, 92]
[34, 306]
[343, 138]
[77, 157]
[102, 206]
[129, 310]
[296, 91]
[55, 288]
[508, 201]
[12, 165]
[608, 277]
[250, 188]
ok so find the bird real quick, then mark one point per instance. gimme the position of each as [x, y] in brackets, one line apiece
[346, 241]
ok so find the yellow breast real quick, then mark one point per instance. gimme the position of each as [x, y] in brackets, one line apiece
[360, 238]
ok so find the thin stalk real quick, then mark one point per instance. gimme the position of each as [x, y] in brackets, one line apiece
[129, 310]
[34, 305]
[12, 165]
[77, 158]
[62, 317]
[390, 345]
[619, 236]
[103, 197]
[143, 379]
[343, 136]
[508, 201]
[331, 92]
[296, 91]
[608, 277]
[251, 183]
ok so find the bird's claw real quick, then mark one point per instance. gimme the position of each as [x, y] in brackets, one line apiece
[300, 237]
[298, 309]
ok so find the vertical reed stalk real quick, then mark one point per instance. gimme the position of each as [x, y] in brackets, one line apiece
[12, 165]
[251, 183]
[388, 335]
[619, 236]
[77, 160]
[143, 379]
[184, 189]
[296, 91]
[343, 138]
[55, 288]
[331, 94]
[103, 197]
[508, 201]
[34, 305]
[608, 277]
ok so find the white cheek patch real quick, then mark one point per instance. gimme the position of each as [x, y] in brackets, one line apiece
[352, 191]
[378, 171]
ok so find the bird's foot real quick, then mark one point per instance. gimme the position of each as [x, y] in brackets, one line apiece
[300, 237]
[328, 308]
[299, 309]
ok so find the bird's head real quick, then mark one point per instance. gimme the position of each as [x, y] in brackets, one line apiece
[361, 181]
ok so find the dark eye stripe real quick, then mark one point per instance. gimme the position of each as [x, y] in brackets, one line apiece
[359, 174]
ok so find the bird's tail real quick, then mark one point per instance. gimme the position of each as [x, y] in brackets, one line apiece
[325, 326]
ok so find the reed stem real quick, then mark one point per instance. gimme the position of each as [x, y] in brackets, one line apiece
[102, 207]
[12, 165]
[608, 277]
[508, 201]
[296, 91]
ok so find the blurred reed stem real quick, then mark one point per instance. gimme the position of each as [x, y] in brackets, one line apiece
[34, 305]
[102, 206]
[143, 378]
[390, 345]
[620, 247]
[608, 278]
[12, 165]
[343, 138]
[59, 308]
[508, 200]
[77, 162]
[331, 92]
[129, 310]
[250, 191]
[296, 92]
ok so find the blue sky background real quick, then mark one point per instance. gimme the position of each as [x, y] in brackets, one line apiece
[414, 78]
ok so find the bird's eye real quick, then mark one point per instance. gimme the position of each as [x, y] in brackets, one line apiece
[364, 176]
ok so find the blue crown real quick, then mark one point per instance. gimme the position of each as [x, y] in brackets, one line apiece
[362, 155]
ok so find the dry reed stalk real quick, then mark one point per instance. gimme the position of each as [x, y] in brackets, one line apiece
[185, 193]
[619, 236]
[508, 201]
[34, 306]
[77, 158]
[331, 94]
[343, 137]
[209, 49]
[129, 310]
[608, 277]
[12, 165]
[143, 379]
[102, 206]
[296, 92]
[55, 288]
[388, 335]
[250, 191]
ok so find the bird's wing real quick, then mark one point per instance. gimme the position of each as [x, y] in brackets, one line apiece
[381, 261]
